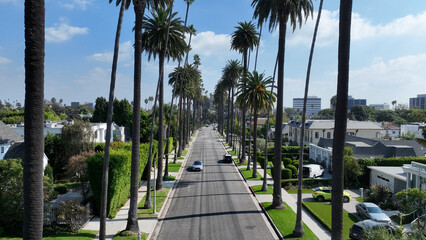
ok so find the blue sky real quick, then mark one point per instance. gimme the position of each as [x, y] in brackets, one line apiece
[388, 50]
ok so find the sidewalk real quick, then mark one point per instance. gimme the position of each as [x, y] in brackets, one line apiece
[117, 224]
[291, 201]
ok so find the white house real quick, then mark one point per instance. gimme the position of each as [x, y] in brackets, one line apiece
[416, 175]
[413, 128]
[8, 137]
[99, 132]
[316, 129]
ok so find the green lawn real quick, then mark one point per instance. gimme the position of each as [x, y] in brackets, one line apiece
[359, 199]
[322, 211]
[174, 167]
[248, 174]
[257, 189]
[180, 158]
[160, 198]
[171, 178]
[285, 220]
[294, 191]
[184, 152]
[81, 235]
[144, 236]
[233, 153]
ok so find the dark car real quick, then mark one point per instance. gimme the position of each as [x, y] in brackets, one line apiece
[371, 211]
[357, 230]
[227, 158]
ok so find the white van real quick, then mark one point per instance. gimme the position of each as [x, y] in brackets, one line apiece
[312, 170]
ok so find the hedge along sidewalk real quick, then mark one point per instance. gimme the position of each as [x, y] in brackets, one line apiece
[161, 214]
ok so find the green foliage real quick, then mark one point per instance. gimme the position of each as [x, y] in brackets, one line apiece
[327, 113]
[101, 110]
[306, 182]
[411, 200]
[49, 114]
[361, 113]
[291, 152]
[409, 135]
[295, 163]
[73, 213]
[380, 233]
[119, 174]
[123, 112]
[352, 169]
[286, 173]
[287, 161]
[11, 195]
[293, 169]
[48, 172]
[378, 193]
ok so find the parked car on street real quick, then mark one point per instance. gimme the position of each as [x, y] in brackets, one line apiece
[197, 166]
[324, 193]
[227, 158]
[312, 170]
[357, 230]
[371, 211]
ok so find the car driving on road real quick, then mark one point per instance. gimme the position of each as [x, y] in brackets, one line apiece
[197, 166]
[324, 193]
[371, 211]
[227, 158]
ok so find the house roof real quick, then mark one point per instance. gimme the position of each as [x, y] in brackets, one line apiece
[17, 151]
[366, 148]
[329, 124]
[395, 172]
[7, 134]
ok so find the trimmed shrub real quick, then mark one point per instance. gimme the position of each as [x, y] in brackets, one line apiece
[306, 183]
[61, 189]
[287, 161]
[295, 163]
[119, 174]
[73, 213]
[286, 173]
[378, 193]
[293, 169]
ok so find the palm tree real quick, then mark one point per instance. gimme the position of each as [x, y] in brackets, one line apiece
[243, 40]
[298, 228]
[340, 118]
[158, 29]
[253, 93]
[34, 117]
[278, 13]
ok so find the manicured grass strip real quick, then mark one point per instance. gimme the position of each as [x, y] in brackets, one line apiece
[294, 191]
[180, 158]
[184, 152]
[285, 221]
[258, 189]
[359, 199]
[322, 212]
[160, 198]
[144, 236]
[81, 235]
[249, 173]
[174, 167]
[171, 178]
[233, 153]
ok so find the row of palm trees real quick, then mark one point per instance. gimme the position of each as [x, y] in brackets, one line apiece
[253, 93]
[252, 85]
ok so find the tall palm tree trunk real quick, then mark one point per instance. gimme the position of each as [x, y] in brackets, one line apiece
[194, 107]
[188, 120]
[228, 123]
[132, 222]
[34, 117]
[243, 124]
[180, 120]
[249, 146]
[159, 184]
[169, 126]
[277, 201]
[340, 118]
[254, 175]
[232, 119]
[298, 228]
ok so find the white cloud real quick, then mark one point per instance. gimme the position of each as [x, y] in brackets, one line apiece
[4, 60]
[62, 32]
[125, 54]
[410, 25]
[384, 81]
[211, 44]
[71, 4]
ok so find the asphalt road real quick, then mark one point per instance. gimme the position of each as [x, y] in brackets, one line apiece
[213, 204]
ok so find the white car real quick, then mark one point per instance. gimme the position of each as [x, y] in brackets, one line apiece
[371, 211]
[197, 166]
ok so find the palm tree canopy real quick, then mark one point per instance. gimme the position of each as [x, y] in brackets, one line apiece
[188, 75]
[150, 3]
[156, 28]
[253, 92]
[245, 37]
[291, 9]
[232, 72]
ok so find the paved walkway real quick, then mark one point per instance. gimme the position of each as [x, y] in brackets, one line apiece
[117, 224]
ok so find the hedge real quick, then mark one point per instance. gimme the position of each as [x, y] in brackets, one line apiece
[293, 169]
[286, 173]
[306, 182]
[119, 174]
[291, 152]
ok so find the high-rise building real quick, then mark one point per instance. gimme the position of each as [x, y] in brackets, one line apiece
[313, 105]
[384, 106]
[352, 102]
[418, 102]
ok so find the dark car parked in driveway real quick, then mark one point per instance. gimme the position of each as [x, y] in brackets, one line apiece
[357, 230]
[371, 211]
[227, 158]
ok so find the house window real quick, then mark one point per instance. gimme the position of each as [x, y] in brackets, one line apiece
[316, 134]
[2, 149]
[329, 135]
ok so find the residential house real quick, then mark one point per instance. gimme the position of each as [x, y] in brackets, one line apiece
[367, 148]
[17, 151]
[390, 130]
[8, 137]
[417, 129]
[316, 129]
